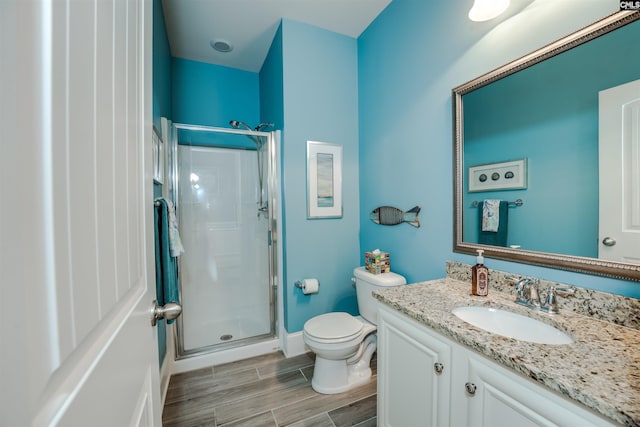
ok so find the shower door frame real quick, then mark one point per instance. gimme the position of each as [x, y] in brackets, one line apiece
[272, 234]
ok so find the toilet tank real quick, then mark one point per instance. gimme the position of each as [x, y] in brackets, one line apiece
[366, 283]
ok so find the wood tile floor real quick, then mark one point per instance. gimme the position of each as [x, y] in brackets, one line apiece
[268, 390]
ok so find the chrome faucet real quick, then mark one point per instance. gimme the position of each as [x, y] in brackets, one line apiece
[528, 294]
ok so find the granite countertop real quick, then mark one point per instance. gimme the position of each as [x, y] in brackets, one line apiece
[601, 369]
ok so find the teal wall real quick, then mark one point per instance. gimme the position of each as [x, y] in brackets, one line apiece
[161, 108]
[211, 95]
[409, 60]
[549, 114]
[272, 84]
[320, 103]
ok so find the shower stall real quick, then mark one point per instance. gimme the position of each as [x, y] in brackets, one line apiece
[223, 183]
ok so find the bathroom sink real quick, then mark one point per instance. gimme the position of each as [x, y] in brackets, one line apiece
[512, 325]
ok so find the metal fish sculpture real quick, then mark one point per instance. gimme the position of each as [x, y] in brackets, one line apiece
[388, 215]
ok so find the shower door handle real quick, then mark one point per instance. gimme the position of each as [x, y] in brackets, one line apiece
[169, 311]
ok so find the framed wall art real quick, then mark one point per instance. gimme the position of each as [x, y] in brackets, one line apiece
[324, 180]
[510, 175]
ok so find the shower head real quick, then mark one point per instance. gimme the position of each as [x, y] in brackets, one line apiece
[263, 125]
[236, 124]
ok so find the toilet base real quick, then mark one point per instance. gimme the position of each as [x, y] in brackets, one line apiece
[337, 376]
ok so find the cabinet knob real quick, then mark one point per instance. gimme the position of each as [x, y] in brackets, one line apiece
[470, 388]
[438, 367]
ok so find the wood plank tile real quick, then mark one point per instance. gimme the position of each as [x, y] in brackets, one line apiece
[262, 401]
[302, 361]
[263, 391]
[356, 412]
[254, 389]
[196, 374]
[210, 384]
[308, 372]
[191, 412]
[322, 420]
[322, 403]
[193, 422]
[261, 420]
[258, 361]
[372, 422]
[203, 406]
[180, 384]
[189, 423]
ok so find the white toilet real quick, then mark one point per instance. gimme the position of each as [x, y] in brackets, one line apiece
[343, 343]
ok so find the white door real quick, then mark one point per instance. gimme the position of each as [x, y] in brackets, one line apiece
[76, 215]
[619, 142]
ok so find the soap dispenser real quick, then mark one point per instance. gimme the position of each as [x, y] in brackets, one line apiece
[480, 276]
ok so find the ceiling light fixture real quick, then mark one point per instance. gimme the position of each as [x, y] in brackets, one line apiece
[483, 10]
[221, 45]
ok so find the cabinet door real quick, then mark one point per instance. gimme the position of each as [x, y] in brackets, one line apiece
[503, 398]
[414, 373]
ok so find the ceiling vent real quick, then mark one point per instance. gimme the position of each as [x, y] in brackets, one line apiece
[221, 45]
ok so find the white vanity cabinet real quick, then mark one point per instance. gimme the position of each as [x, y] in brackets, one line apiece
[414, 374]
[470, 390]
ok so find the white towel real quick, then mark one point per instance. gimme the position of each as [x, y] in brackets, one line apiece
[491, 215]
[175, 243]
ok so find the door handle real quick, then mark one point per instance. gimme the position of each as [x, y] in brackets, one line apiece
[608, 241]
[169, 311]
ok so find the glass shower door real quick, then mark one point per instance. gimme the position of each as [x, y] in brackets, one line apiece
[224, 272]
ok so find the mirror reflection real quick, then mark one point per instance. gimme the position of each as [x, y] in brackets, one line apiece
[548, 155]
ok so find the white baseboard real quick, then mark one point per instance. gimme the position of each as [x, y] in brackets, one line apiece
[165, 376]
[293, 345]
[167, 368]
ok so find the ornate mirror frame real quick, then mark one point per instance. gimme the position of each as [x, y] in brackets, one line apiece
[593, 266]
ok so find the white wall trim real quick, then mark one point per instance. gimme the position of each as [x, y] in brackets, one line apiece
[167, 368]
[293, 345]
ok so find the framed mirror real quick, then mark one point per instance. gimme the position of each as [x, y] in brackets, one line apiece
[547, 155]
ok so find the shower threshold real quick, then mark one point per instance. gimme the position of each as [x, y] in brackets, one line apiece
[226, 342]
[226, 352]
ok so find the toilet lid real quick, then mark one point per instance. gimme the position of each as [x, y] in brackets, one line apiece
[333, 326]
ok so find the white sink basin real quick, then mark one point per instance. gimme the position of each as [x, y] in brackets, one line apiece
[512, 325]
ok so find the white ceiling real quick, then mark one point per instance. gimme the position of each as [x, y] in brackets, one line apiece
[249, 25]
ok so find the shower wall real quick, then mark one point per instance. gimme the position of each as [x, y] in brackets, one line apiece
[224, 273]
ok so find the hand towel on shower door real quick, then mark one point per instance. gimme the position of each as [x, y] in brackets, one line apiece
[166, 264]
[494, 238]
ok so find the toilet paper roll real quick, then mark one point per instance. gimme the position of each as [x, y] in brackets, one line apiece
[310, 286]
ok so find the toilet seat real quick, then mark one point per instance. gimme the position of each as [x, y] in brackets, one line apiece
[333, 328]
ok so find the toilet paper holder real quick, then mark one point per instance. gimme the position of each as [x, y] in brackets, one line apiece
[298, 283]
[304, 285]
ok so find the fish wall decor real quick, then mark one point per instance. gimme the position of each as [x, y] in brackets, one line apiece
[388, 215]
